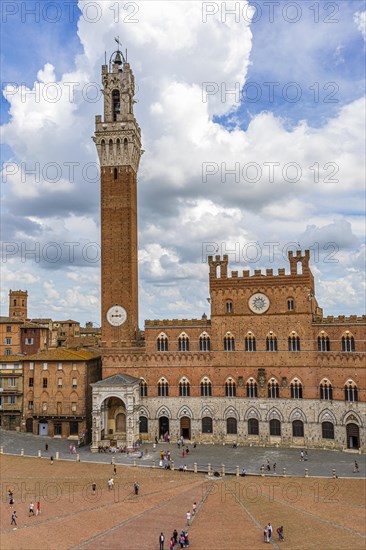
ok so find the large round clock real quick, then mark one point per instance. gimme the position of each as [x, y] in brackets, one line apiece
[258, 303]
[116, 316]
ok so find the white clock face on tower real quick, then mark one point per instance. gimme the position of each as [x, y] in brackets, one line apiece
[116, 316]
[258, 303]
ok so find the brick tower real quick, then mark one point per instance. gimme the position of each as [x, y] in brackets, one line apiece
[18, 304]
[118, 142]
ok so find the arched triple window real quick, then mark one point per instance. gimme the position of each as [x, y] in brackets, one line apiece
[231, 426]
[229, 306]
[184, 388]
[274, 427]
[253, 426]
[271, 343]
[296, 389]
[229, 343]
[327, 430]
[250, 344]
[297, 428]
[206, 388]
[348, 343]
[183, 342]
[143, 388]
[350, 391]
[230, 388]
[252, 388]
[205, 342]
[207, 425]
[323, 343]
[326, 389]
[294, 342]
[273, 389]
[162, 342]
[163, 388]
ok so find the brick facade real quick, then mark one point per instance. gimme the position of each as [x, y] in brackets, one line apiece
[266, 368]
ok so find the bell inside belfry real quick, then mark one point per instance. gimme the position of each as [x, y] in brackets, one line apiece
[118, 59]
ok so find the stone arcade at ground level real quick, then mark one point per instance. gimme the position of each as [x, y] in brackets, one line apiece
[115, 411]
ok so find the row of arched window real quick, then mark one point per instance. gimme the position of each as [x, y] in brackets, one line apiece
[273, 389]
[250, 345]
[253, 427]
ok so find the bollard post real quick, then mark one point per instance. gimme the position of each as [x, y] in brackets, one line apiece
[39, 454]
[209, 469]
[1, 450]
[57, 455]
[334, 473]
[195, 469]
[113, 461]
[284, 472]
[153, 464]
[77, 457]
[262, 471]
[306, 472]
[172, 465]
[134, 461]
[21, 452]
[223, 470]
[237, 471]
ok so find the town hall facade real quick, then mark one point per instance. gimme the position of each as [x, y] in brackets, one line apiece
[267, 368]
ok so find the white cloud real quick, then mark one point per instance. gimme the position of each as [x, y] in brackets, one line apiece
[172, 52]
[360, 20]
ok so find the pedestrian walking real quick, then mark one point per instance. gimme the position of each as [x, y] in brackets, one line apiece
[280, 533]
[110, 483]
[136, 488]
[51, 460]
[265, 534]
[11, 502]
[356, 469]
[171, 544]
[161, 541]
[14, 518]
[194, 508]
[115, 470]
[38, 509]
[268, 466]
[301, 456]
[188, 516]
[94, 488]
[46, 447]
[181, 540]
[306, 455]
[274, 467]
[175, 536]
[31, 509]
[270, 529]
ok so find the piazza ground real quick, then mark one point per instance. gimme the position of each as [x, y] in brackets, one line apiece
[316, 513]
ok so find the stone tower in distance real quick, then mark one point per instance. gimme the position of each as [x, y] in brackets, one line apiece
[118, 142]
[18, 304]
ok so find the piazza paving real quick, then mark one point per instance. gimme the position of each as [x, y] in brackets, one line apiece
[321, 513]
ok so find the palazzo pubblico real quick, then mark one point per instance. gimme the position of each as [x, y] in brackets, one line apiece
[266, 369]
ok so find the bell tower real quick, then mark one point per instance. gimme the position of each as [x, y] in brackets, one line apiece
[118, 142]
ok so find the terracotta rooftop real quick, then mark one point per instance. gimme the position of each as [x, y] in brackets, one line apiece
[63, 354]
[10, 320]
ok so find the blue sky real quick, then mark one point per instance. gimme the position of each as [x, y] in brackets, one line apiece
[172, 53]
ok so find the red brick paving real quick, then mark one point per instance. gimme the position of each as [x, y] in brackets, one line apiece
[320, 514]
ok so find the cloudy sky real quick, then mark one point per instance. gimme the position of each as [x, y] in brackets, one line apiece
[252, 118]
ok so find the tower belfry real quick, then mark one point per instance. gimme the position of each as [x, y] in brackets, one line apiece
[118, 142]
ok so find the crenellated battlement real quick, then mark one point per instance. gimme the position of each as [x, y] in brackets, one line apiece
[153, 323]
[299, 266]
[341, 319]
